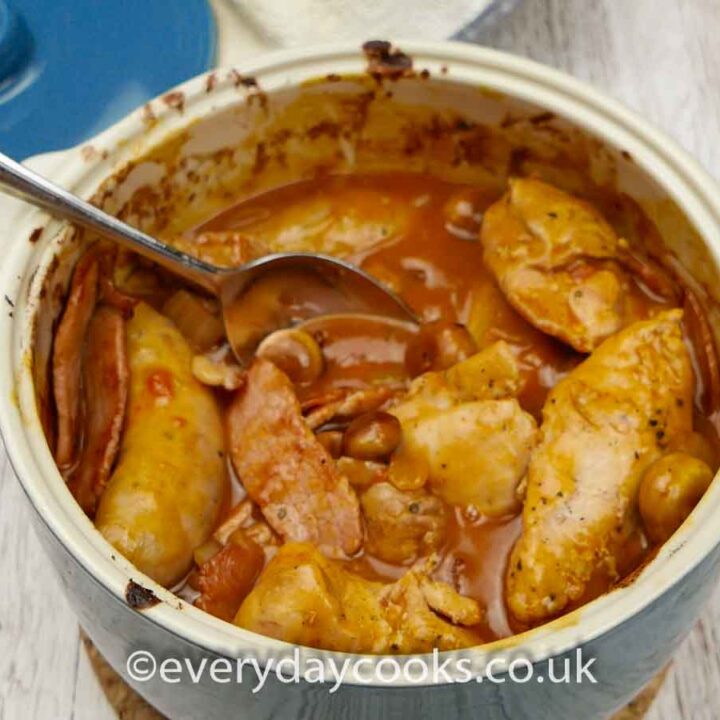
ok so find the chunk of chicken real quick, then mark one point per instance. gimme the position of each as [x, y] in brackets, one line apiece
[105, 390]
[402, 526]
[491, 374]
[475, 453]
[167, 491]
[442, 598]
[465, 435]
[305, 598]
[556, 260]
[603, 425]
[424, 614]
[285, 469]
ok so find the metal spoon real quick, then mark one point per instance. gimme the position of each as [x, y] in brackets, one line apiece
[256, 298]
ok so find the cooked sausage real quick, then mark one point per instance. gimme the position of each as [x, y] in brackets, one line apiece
[167, 492]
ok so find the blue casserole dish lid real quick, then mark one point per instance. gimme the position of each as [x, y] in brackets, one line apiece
[70, 69]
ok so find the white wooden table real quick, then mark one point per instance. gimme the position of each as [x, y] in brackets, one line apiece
[661, 57]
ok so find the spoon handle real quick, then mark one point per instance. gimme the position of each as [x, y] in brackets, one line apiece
[23, 183]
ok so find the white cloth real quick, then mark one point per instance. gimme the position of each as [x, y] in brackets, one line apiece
[249, 26]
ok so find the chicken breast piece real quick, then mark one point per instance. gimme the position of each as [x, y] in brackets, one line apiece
[556, 260]
[465, 435]
[603, 425]
[425, 614]
[286, 470]
[491, 374]
[303, 597]
[402, 526]
[168, 489]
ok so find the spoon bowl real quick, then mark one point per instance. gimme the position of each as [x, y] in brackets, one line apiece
[258, 297]
[284, 289]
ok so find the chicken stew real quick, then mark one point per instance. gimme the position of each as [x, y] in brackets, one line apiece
[368, 485]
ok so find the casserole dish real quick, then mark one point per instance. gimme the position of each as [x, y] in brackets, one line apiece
[254, 125]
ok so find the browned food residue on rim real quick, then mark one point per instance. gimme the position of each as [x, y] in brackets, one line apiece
[175, 100]
[211, 82]
[251, 85]
[384, 61]
[139, 597]
[239, 79]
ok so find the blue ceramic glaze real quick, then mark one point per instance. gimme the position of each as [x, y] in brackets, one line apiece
[625, 659]
[69, 70]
